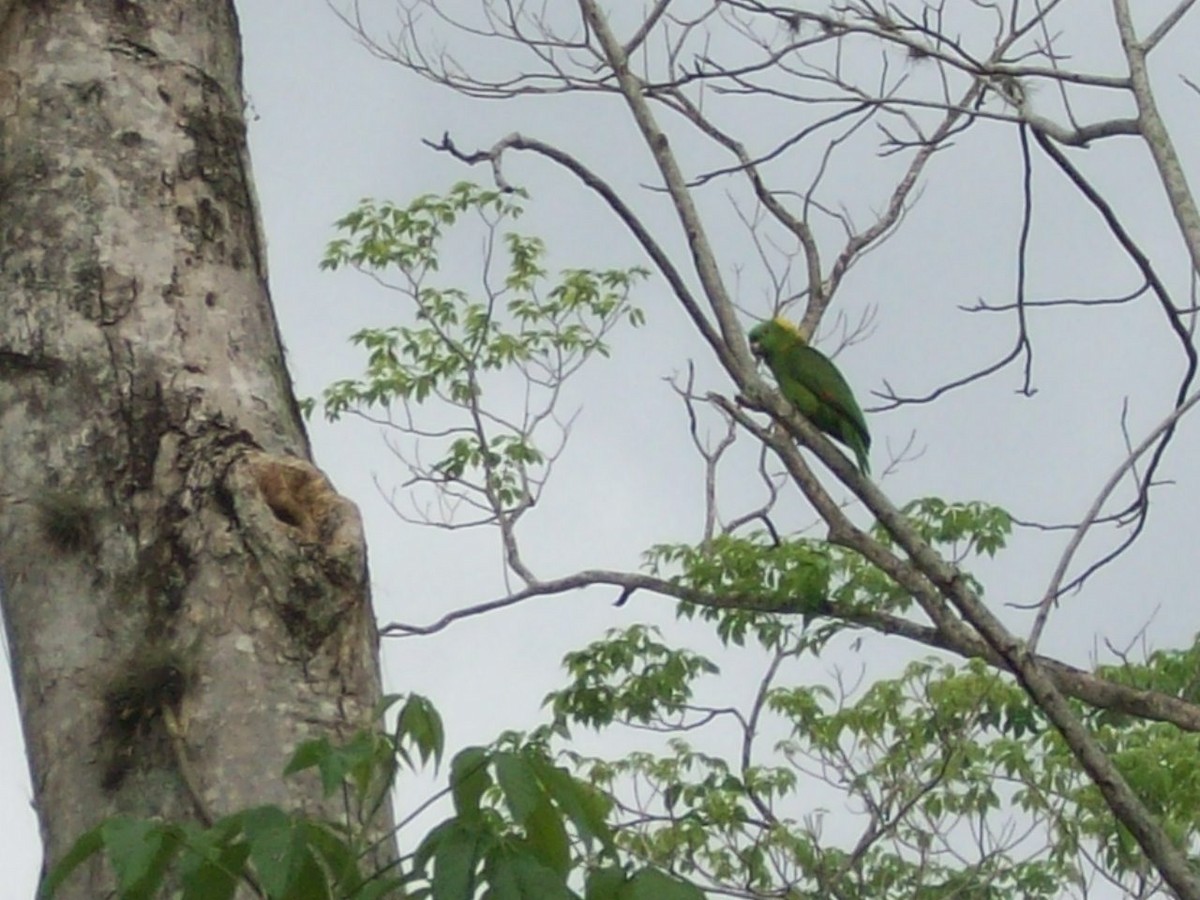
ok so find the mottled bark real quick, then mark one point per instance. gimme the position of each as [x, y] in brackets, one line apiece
[166, 548]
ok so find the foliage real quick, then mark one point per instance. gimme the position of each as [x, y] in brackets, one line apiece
[282, 855]
[761, 573]
[629, 676]
[524, 322]
[921, 751]
[521, 828]
[931, 756]
[939, 750]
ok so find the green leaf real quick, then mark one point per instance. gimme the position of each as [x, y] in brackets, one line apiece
[469, 778]
[382, 888]
[427, 849]
[139, 852]
[456, 860]
[518, 876]
[213, 861]
[86, 845]
[654, 884]
[605, 883]
[276, 848]
[214, 879]
[309, 881]
[519, 785]
[584, 805]
[309, 754]
[671, 796]
[338, 857]
[366, 759]
[547, 837]
[420, 724]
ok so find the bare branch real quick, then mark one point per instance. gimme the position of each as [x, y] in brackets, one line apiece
[1091, 689]
[1054, 590]
[1164, 27]
[735, 354]
[1154, 132]
[660, 258]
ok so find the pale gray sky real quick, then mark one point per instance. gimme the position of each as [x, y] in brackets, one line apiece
[331, 125]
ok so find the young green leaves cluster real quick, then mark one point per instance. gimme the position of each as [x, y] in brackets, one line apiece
[930, 752]
[923, 750]
[757, 583]
[628, 676]
[939, 750]
[459, 345]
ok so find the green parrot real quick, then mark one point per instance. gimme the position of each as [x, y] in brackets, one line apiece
[812, 384]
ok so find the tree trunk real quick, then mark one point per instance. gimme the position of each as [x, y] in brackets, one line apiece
[168, 554]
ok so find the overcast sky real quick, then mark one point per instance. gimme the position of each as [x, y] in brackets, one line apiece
[331, 124]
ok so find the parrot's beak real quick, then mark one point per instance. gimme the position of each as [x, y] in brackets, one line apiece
[756, 349]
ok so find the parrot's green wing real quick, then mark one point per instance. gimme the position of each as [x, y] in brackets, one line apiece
[814, 371]
[812, 384]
